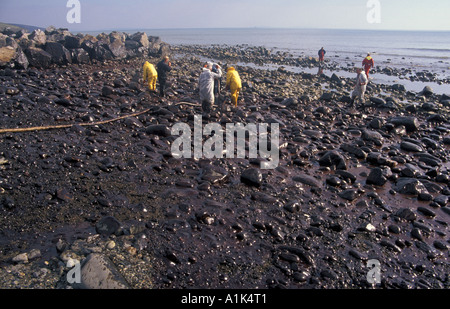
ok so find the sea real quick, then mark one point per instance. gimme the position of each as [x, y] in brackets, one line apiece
[419, 51]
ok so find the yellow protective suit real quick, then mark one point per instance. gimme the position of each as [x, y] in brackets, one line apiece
[234, 84]
[150, 75]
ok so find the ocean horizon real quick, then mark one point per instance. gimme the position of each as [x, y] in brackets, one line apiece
[418, 44]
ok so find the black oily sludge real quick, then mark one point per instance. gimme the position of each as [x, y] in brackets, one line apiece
[345, 192]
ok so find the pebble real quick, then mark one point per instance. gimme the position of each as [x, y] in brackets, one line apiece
[107, 225]
[252, 177]
[20, 258]
[427, 212]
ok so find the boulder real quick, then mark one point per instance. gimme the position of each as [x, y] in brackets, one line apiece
[118, 49]
[101, 52]
[59, 54]
[38, 37]
[11, 54]
[117, 44]
[164, 50]
[99, 272]
[131, 45]
[72, 42]
[57, 35]
[38, 57]
[80, 56]
[141, 40]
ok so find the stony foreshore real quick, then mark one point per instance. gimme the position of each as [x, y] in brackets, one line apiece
[353, 184]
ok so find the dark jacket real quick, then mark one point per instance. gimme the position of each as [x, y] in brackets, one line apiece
[163, 68]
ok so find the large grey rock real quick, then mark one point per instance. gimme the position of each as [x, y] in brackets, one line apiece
[117, 45]
[102, 52]
[99, 273]
[38, 37]
[118, 49]
[141, 38]
[11, 54]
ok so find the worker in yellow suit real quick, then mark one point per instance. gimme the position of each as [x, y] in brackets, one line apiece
[150, 76]
[234, 84]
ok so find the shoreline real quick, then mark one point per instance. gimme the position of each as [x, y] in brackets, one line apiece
[413, 79]
[353, 184]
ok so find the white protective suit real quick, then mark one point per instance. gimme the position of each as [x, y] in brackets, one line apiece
[360, 90]
[206, 84]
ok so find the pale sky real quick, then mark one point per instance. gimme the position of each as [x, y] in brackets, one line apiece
[164, 14]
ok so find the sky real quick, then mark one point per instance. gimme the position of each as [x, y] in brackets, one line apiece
[98, 15]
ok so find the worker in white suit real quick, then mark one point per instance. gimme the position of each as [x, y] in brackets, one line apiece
[206, 85]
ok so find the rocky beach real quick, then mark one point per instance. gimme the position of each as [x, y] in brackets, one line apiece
[94, 183]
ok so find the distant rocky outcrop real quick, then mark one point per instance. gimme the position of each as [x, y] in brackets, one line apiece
[53, 46]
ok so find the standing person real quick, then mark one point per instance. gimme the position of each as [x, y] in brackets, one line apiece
[368, 63]
[322, 53]
[150, 76]
[217, 84]
[206, 85]
[234, 84]
[163, 67]
[360, 86]
[217, 81]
